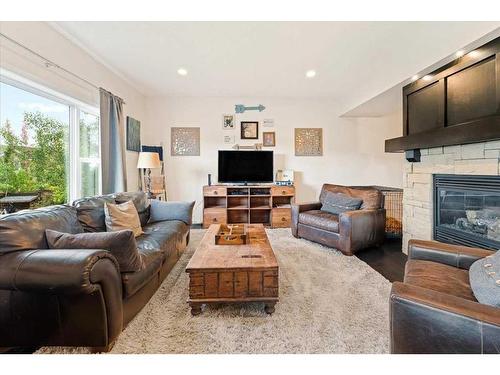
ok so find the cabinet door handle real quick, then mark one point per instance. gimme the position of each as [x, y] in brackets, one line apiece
[283, 219]
[216, 192]
[214, 219]
[283, 192]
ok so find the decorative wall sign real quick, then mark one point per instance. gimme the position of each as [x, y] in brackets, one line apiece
[133, 134]
[268, 123]
[240, 108]
[269, 139]
[308, 141]
[228, 122]
[185, 141]
[249, 130]
[229, 139]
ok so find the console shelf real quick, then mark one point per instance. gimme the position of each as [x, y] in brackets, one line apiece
[268, 205]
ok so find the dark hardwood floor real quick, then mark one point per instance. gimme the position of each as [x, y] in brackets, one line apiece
[388, 259]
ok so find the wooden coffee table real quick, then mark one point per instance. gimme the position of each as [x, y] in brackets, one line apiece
[233, 273]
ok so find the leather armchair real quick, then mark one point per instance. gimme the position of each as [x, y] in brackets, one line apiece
[434, 309]
[350, 231]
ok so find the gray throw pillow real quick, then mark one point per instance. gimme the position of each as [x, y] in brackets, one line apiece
[484, 277]
[164, 211]
[120, 243]
[336, 203]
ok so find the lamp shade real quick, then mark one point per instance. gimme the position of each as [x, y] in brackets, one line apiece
[148, 160]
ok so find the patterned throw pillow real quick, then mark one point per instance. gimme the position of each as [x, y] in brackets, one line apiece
[336, 203]
[484, 277]
[122, 216]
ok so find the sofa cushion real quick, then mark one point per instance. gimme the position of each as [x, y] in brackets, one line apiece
[162, 211]
[163, 236]
[336, 203]
[141, 203]
[133, 281]
[320, 219]
[122, 216]
[91, 212]
[372, 198]
[439, 277]
[484, 277]
[25, 230]
[121, 244]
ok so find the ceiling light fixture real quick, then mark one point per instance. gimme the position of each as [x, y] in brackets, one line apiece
[414, 78]
[182, 72]
[459, 53]
[311, 74]
[427, 78]
[474, 54]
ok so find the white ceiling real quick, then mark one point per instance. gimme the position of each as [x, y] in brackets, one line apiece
[354, 61]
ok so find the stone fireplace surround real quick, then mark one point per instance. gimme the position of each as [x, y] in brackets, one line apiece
[473, 159]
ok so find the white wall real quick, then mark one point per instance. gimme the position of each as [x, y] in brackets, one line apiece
[353, 149]
[42, 38]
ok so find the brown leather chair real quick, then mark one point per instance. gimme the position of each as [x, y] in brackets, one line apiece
[350, 231]
[434, 309]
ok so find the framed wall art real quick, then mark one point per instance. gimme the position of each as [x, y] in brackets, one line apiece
[133, 134]
[308, 142]
[249, 130]
[228, 122]
[185, 141]
[268, 139]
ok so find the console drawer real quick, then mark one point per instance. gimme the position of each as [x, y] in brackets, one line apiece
[281, 217]
[282, 190]
[214, 216]
[214, 191]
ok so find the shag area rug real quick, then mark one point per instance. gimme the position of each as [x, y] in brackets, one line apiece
[329, 303]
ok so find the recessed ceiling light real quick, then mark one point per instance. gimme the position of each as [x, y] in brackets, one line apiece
[311, 74]
[459, 53]
[414, 78]
[182, 72]
[427, 78]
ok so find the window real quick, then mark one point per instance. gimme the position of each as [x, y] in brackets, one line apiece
[49, 144]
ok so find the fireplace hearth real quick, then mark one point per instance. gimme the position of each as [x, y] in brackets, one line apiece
[467, 210]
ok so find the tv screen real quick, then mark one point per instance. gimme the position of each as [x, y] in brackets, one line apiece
[246, 166]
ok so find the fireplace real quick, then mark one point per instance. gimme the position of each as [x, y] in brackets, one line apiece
[467, 210]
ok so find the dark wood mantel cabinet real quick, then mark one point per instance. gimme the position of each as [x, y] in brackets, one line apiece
[456, 104]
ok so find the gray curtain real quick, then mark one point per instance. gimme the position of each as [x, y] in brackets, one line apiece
[114, 177]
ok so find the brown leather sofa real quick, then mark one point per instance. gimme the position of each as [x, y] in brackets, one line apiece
[78, 297]
[350, 231]
[434, 309]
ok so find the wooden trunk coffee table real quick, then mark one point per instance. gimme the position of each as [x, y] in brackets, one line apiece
[233, 273]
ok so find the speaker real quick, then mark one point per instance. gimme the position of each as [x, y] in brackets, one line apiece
[413, 156]
[209, 179]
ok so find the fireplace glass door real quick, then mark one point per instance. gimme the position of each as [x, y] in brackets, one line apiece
[467, 210]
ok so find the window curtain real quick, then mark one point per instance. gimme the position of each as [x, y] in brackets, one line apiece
[113, 165]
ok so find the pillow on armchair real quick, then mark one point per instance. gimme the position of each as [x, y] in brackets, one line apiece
[336, 203]
[121, 244]
[484, 277]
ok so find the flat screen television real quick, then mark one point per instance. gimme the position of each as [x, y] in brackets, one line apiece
[245, 166]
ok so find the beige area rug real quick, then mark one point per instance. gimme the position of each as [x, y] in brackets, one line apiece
[329, 303]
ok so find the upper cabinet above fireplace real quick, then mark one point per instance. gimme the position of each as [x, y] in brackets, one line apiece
[456, 104]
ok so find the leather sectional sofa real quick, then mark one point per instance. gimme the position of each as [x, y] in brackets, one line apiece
[348, 232]
[78, 297]
[434, 310]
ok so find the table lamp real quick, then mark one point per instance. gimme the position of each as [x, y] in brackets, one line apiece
[148, 161]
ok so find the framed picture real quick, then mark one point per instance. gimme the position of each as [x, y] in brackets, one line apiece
[228, 122]
[185, 141]
[133, 134]
[229, 139]
[268, 139]
[249, 130]
[308, 141]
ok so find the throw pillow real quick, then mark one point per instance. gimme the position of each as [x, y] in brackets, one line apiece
[484, 277]
[163, 211]
[122, 216]
[336, 203]
[121, 244]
